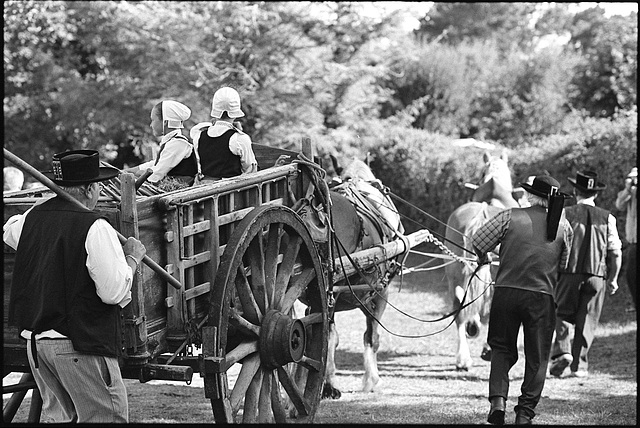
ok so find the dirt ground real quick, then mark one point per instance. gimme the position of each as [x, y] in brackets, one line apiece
[419, 382]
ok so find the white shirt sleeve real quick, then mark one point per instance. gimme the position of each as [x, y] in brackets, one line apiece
[146, 165]
[613, 239]
[175, 150]
[240, 145]
[107, 264]
[12, 229]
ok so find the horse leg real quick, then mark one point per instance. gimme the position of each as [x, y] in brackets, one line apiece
[485, 311]
[463, 355]
[371, 341]
[329, 390]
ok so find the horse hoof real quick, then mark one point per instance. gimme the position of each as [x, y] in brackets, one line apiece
[330, 392]
[370, 386]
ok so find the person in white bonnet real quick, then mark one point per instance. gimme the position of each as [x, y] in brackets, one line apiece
[175, 165]
[222, 149]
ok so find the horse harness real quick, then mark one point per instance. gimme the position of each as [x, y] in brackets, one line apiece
[364, 208]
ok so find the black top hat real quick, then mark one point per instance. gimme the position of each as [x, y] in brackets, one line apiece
[588, 181]
[543, 186]
[77, 167]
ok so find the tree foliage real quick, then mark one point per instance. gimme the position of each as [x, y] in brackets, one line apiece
[455, 23]
[606, 79]
[82, 74]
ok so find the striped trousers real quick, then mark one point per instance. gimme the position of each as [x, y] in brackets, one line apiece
[78, 387]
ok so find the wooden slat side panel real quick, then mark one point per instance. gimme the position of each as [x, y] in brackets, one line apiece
[175, 298]
[189, 274]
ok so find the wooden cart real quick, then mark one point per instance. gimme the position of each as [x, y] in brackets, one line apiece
[243, 255]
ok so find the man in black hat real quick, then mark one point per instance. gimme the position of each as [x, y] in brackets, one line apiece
[71, 278]
[595, 259]
[534, 244]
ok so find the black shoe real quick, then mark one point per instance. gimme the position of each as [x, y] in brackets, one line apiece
[522, 419]
[496, 413]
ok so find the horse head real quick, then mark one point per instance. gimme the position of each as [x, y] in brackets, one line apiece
[496, 186]
[497, 168]
[358, 170]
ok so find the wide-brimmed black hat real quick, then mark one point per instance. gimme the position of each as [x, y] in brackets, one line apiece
[587, 180]
[77, 167]
[543, 186]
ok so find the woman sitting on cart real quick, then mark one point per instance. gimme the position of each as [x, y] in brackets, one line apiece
[223, 150]
[175, 166]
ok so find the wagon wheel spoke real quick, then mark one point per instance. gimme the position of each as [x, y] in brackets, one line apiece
[250, 413]
[243, 324]
[295, 395]
[250, 367]
[288, 262]
[241, 351]
[250, 308]
[310, 319]
[278, 407]
[298, 286]
[271, 260]
[264, 403]
[310, 363]
[255, 255]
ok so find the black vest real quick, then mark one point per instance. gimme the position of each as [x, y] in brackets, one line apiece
[51, 287]
[527, 259]
[216, 160]
[186, 167]
[589, 248]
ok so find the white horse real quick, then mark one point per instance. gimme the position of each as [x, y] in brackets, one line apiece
[492, 196]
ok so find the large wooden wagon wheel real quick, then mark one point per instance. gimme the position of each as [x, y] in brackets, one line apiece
[269, 262]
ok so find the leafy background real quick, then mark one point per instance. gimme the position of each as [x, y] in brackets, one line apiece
[555, 87]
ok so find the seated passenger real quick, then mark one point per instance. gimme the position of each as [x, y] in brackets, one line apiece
[222, 149]
[175, 165]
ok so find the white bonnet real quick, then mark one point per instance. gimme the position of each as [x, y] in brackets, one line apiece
[226, 99]
[175, 113]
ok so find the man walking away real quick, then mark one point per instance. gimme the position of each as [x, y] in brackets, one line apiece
[534, 243]
[594, 261]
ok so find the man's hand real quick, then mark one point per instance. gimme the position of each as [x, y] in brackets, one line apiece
[134, 248]
[484, 259]
[612, 286]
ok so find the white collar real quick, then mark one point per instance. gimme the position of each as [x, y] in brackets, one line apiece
[588, 201]
[220, 127]
[170, 135]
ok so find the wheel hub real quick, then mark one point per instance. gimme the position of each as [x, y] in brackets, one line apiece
[282, 339]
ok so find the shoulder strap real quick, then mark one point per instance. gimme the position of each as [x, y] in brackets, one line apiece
[163, 146]
[183, 137]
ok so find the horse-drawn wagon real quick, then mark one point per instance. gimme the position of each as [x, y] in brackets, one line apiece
[236, 255]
